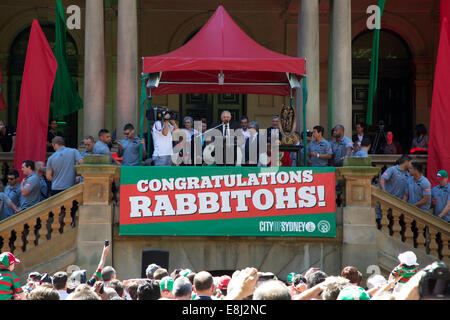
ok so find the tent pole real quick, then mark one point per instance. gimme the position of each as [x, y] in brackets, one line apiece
[144, 78]
[149, 106]
[305, 146]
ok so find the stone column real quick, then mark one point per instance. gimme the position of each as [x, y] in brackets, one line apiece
[95, 223]
[94, 69]
[341, 64]
[127, 66]
[359, 246]
[308, 47]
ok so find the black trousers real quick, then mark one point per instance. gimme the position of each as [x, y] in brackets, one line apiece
[55, 192]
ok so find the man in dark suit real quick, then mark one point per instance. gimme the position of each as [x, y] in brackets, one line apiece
[226, 127]
[360, 134]
[275, 125]
[251, 144]
[225, 124]
[204, 286]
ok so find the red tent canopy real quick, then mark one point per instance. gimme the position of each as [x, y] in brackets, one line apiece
[221, 47]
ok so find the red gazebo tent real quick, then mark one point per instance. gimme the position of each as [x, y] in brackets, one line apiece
[221, 58]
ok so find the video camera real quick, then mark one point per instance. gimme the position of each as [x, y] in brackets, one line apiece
[157, 113]
[434, 283]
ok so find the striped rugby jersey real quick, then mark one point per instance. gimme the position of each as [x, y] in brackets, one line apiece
[405, 273]
[9, 285]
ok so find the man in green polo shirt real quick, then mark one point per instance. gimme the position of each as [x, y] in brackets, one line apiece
[10, 288]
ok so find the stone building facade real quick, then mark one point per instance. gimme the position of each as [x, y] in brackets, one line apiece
[105, 57]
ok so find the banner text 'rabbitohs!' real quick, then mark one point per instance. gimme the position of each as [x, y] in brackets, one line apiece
[228, 201]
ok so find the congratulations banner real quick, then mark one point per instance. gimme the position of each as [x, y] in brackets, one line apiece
[228, 201]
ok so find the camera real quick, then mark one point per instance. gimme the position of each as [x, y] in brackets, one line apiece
[157, 113]
[434, 283]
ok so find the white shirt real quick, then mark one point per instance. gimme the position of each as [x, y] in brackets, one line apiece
[246, 133]
[226, 126]
[63, 294]
[190, 133]
[162, 144]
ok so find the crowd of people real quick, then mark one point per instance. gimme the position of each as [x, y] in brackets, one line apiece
[402, 283]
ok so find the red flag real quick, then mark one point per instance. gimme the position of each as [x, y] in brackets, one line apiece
[37, 83]
[2, 101]
[439, 151]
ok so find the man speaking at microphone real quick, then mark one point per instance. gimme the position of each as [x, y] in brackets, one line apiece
[226, 126]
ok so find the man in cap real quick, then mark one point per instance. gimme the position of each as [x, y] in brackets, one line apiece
[10, 288]
[407, 268]
[166, 286]
[353, 293]
[223, 285]
[440, 197]
[151, 270]
[60, 284]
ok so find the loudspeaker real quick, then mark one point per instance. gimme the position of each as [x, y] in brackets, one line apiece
[159, 257]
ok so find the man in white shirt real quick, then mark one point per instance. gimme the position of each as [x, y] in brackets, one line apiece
[60, 284]
[162, 139]
[244, 127]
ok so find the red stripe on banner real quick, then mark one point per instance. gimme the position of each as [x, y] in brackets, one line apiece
[37, 83]
[320, 179]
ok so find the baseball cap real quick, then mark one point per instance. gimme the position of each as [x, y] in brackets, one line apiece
[408, 258]
[442, 174]
[185, 272]
[34, 275]
[7, 259]
[375, 280]
[76, 278]
[46, 278]
[223, 282]
[353, 293]
[290, 277]
[151, 269]
[166, 284]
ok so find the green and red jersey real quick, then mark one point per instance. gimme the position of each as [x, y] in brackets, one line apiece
[404, 272]
[9, 285]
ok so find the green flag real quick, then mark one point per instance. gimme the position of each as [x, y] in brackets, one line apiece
[374, 66]
[66, 97]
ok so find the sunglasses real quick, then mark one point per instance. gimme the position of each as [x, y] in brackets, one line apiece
[11, 179]
[126, 133]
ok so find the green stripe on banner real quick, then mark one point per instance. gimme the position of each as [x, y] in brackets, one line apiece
[306, 225]
[131, 175]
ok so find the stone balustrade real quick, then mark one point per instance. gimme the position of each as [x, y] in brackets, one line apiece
[411, 225]
[43, 223]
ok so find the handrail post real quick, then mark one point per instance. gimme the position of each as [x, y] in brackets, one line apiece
[96, 214]
[359, 246]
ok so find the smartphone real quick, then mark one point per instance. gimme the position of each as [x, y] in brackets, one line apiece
[106, 243]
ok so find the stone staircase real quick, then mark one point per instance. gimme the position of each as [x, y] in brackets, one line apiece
[44, 236]
[405, 227]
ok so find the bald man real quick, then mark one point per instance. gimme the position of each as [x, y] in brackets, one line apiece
[204, 286]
